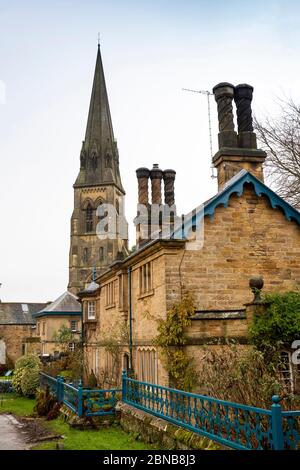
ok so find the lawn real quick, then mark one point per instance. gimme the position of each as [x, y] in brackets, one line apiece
[112, 438]
[13, 403]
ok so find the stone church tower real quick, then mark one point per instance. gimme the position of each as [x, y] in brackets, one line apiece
[98, 182]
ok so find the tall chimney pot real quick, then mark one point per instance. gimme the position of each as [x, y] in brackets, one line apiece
[156, 175]
[169, 179]
[143, 189]
[243, 94]
[224, 93]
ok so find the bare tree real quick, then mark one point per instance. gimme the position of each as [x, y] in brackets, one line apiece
[280, 138]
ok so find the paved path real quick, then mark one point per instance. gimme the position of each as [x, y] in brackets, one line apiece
[11, 435]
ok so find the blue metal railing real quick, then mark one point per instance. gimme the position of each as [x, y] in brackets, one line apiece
[96, 403]
[234, 425]
[82, 401]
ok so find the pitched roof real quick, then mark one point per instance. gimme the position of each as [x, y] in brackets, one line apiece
[18, 313]
[236, 186]
[65, 304]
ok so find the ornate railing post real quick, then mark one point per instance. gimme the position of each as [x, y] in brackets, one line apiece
[277, 431]
[80, 399]
[124, 385]
[58, 388]
[62, 380]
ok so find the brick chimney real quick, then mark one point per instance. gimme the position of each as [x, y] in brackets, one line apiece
[155, 218]
[143, 209]
[156, 175]
[169, 179]
[236, 151]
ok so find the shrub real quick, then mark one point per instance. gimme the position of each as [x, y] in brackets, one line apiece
[92, 380]
[67, 374]
[279, 324]
[242, 376]
[17, 380]
[45, 402]
[30, 381]
[26, 377]
[29, 360]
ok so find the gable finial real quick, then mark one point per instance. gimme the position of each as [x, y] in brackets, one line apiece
[94, 273]
[98, 40]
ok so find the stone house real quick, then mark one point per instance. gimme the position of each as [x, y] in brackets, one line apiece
[64, 312]
[18, 331]
[245, 230]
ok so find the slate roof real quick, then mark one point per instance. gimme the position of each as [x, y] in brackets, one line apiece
[91, 288]
[18, 313]
[65, 304]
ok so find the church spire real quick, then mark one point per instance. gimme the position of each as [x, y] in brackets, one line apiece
[99, 159]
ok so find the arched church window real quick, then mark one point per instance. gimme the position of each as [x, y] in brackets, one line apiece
[85, 255]
[89, 219]
[117, 206]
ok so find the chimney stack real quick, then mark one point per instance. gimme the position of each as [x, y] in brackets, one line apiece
[153, 219]
[156, 175]
[236, 152]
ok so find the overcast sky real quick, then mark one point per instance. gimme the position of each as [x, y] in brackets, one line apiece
[151, 50]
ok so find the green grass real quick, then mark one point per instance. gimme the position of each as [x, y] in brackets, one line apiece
[113, 438]
[13, 403]
[3, 377]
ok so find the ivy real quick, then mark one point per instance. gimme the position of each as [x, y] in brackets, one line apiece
[172, 339]
[279, 324]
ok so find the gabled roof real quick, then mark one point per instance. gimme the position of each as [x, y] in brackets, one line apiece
[18, 313]
[65, 304]
[236, 186]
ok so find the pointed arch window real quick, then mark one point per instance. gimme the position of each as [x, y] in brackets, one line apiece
[89, 219]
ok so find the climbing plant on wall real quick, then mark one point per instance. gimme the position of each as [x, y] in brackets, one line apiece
[279, 324]
[172, 339]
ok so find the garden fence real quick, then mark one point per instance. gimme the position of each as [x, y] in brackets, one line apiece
[234, 425]
[83, 401]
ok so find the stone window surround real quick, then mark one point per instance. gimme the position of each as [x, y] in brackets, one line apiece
[91, 310]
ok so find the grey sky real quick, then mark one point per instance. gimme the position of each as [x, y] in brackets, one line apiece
[150, 50]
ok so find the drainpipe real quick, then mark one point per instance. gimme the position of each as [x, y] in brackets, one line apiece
[130, 321]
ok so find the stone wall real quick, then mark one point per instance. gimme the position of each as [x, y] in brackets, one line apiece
[158, 431]
[246, 239]
[15, 337]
